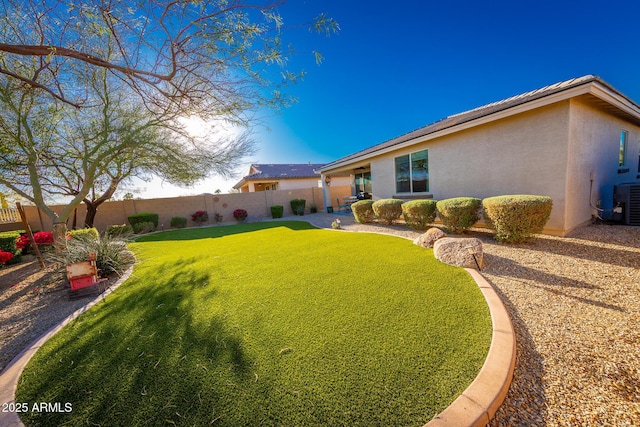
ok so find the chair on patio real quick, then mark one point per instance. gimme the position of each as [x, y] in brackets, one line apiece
[344, 207]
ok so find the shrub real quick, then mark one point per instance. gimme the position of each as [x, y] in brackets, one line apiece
[178, 222]
[313, 209]
[363, 211]
[459, 213]
[240, 215]
[217, 217]
[8, 241]
[297, 206]
[87, 232]
[23, 243]
[112, 254]
[123, 230]
[5, 257]
[277, 211]
[388, 210]
[143, 217]
[515, 218]
[419, 213]
[143, 227]
[43, 237]
[199, 217]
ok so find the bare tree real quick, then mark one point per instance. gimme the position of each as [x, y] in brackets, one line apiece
[135, 69]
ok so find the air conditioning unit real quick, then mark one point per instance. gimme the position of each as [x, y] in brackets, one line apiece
[626, 202]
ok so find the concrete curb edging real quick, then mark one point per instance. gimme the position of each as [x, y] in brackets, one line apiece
[480, 401]
[11, 373]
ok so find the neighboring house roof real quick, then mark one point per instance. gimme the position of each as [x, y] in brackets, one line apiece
[278, 172]
[600, 92]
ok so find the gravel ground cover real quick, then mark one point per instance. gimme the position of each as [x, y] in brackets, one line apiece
[574, 302]
[575, 305]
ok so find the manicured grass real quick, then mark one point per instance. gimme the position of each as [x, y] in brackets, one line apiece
[272, 323]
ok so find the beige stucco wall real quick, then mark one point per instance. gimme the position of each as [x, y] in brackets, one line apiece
[521, 154]
[256, 204]
[594, 147]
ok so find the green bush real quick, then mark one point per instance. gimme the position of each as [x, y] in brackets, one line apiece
[8, 241]
[91, 233]
[313, 209]
[363, 211]
[516, 218]
[178, 222]
[143, 217]
[143, 227]
[277, 211]
[388, 210]
[459, 213]
[418, 214]
[123, 230]
[297, 206]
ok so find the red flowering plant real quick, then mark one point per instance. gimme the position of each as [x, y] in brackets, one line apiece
[240, 215]
[5, 257]
[43, 237]
[23, 242]
[200, 216]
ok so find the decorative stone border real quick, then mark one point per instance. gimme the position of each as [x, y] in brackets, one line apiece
[480, 401]
[11, 373]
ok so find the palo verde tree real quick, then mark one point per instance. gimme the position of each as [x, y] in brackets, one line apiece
[215, 59]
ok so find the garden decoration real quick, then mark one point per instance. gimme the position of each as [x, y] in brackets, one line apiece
[83, 277]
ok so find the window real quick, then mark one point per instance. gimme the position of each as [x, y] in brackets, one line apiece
[623, 148]
[412, 172]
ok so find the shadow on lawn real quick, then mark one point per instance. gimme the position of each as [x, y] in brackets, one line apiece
[163, 362]
[221, 231]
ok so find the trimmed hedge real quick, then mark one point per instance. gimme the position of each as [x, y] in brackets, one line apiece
[418, 214]
[8, 241]
[89, 233]
[297, 206]
[143, 217]
[277, 211]
[516, 218]
[363, 211]
[459, 213]
[178, 222]
[388, 210]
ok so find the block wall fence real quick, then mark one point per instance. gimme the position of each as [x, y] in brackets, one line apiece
[258, 205]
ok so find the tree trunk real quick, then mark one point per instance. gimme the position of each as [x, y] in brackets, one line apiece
[92, 209]
[60, 236]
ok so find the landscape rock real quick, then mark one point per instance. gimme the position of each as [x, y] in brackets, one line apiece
[459, 251]
[427, 239]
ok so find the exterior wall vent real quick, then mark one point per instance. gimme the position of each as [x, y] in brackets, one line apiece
[626, 200]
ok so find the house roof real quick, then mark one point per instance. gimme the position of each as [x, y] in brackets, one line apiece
[280, 171]
[598, 92]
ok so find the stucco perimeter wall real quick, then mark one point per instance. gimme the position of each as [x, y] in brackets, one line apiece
[521, 154]
[258, 205]
[595, 148]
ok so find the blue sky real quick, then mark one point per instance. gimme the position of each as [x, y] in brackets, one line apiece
[395, 67]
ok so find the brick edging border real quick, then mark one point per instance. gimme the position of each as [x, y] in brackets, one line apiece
[479, 402]
[11, 373]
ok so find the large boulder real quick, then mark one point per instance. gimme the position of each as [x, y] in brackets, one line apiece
[428, 238]
[459, 251]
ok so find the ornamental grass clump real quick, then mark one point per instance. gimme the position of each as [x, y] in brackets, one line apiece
[363, 211]
[112, 254]
[459, 213]
[418, 214]
[388, 210]
[516, 218]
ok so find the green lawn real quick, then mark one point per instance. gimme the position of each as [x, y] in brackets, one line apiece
[275, 323]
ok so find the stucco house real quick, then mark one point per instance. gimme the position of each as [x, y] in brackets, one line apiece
[573, 141]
